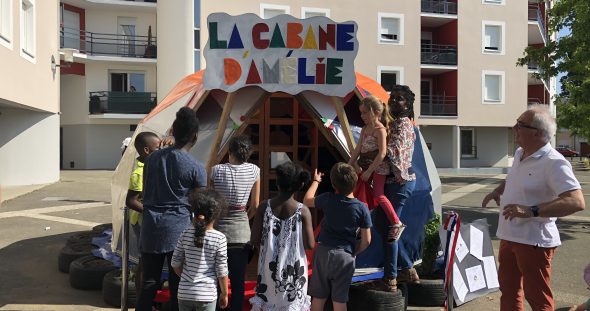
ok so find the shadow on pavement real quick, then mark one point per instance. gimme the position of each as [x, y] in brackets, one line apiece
[29, 272]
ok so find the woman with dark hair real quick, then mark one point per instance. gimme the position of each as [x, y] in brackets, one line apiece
[237, 181]
[169, 175]
[400, 186]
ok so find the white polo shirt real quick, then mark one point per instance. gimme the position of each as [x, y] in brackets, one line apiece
[539, 178]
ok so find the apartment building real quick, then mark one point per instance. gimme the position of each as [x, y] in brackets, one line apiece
[111, 83]
[29, 92]
[458, 56]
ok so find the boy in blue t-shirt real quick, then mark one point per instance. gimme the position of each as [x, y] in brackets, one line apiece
[333, 264]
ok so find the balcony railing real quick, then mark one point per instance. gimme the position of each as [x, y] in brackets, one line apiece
[535, 15]
[438, 54]
[439, 7]
[438, 105]
[121, 102]
[93, 43]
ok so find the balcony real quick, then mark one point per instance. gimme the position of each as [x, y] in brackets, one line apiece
[436, 54]
[438, 105]
[103, 44]
[439, 7]
[121, 102]
[535, 16]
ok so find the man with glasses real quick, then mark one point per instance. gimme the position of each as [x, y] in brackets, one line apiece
[540, 187]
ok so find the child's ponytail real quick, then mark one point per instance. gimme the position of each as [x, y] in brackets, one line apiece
[200, 227]
[207, 206]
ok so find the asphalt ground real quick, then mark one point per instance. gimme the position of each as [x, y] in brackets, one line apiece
[35, 226]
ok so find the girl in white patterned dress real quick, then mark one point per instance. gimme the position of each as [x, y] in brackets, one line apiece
[283, 230]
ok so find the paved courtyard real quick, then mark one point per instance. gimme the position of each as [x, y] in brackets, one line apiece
[36, 225]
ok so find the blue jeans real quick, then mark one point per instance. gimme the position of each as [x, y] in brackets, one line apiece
[188, 305]
[237, 261]
[396, 256]
[390, 250]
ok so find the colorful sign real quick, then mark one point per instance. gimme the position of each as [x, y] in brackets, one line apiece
[280, 54]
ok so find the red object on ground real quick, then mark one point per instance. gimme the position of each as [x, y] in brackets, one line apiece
[162, 295]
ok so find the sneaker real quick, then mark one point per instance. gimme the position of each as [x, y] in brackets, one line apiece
[395, 232]
[383, 285]
[408, 276]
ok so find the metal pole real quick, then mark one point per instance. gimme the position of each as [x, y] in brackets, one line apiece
[125, 259]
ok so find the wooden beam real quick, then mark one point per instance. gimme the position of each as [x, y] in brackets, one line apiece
[327, 133]
[339, 106]
[240, 130]
[227, 107]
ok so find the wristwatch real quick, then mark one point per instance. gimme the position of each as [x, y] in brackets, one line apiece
[535, 210]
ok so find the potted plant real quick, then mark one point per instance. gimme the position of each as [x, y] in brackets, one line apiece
[150, 49]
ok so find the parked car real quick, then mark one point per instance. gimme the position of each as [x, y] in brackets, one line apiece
[567, 152]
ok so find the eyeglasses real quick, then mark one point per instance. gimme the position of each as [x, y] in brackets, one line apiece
[520, 124]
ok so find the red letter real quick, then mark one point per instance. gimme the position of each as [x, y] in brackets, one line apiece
[328, 36]
[259, 43]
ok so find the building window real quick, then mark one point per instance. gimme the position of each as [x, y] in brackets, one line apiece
[468, 145]
[27, 29]
[497, 2]
[271, 10]
[6, 23]
[493, 87]
[127, 82]
[313, 12]
[493, 37]
[389, 76]
[390, 28]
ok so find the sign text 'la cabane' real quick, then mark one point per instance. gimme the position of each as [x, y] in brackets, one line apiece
[280, 54]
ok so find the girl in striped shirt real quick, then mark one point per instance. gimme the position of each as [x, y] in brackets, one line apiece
[200, 256]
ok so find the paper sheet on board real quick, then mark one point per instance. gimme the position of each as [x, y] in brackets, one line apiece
[459, 284]
[461, 249]
[489, 267]
[475, 278]
[475, 242]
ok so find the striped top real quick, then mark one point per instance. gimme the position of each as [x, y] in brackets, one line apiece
[200, 266]
[235, 182]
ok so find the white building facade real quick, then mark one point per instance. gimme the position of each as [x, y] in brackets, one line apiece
[29, 92]
[457, 56]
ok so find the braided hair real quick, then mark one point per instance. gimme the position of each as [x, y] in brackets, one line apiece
[207, 206]
[402, 92]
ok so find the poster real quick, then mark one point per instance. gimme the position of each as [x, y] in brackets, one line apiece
[282, 53]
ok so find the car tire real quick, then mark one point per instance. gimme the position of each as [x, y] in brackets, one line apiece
[71, 252]
[87, 272]
[363, 299]
[101, 228]
[111, 289]
[82, 237]
[428, 293]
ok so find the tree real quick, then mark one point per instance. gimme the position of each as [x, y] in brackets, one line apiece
[569, 55]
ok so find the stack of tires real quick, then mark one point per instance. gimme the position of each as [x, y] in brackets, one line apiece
[87, 272]
[363, 299]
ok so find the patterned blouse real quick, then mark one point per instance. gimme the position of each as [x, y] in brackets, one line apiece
[370, 144]
[400, 148]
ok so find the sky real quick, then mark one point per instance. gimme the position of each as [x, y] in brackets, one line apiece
[562, 33]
